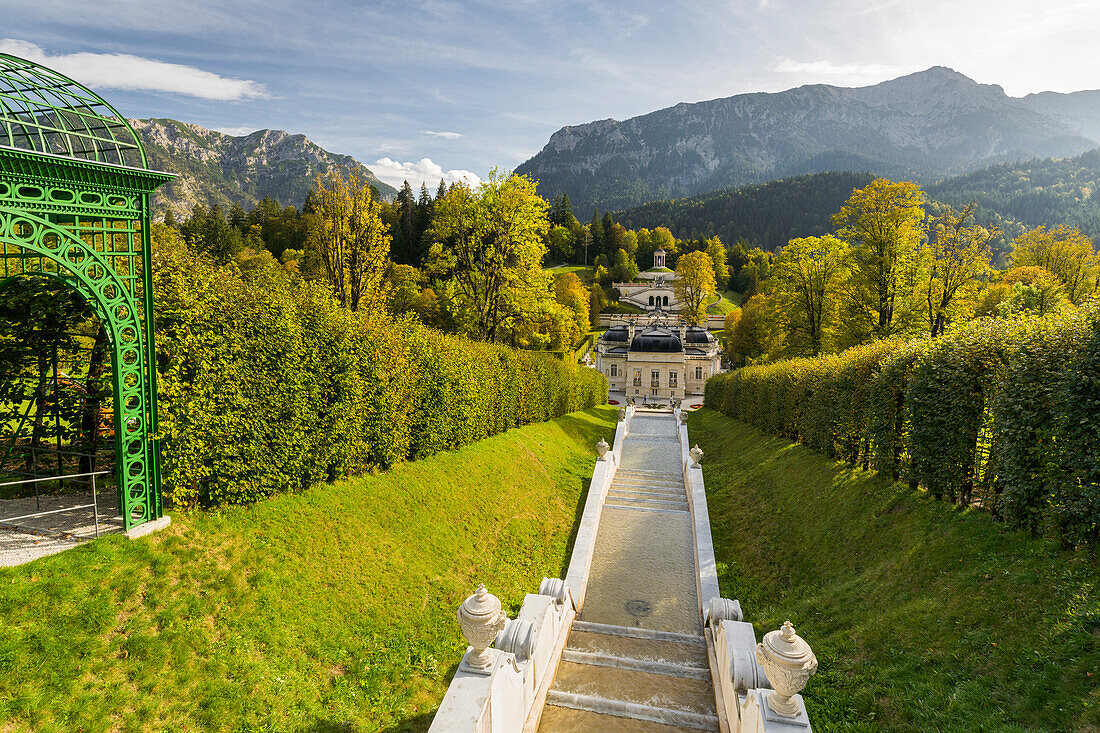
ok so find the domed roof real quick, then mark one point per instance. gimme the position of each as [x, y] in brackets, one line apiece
[45, 112]
[616, 333]
[699, 335]
[656, 339]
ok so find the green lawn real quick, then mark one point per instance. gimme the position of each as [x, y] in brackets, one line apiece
[329, 610]
[923, 617]
[723, 306]
[586, 274]
[624, 308]
[738, 299]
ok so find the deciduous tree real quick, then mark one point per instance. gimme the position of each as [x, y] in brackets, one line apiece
[960, 254]
[803, 289]
[347, 232]
[882, 225]
[694, 284]
[488, 246]
[717, 253]
[1066, 253]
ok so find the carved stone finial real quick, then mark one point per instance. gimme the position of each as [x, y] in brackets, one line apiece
[622, 414]
[696, 454]
[481, 619]
[602, 448]
[788, 662]
[683, 416]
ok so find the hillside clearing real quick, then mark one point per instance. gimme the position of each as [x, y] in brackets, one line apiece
[332, 609]
[923, 617]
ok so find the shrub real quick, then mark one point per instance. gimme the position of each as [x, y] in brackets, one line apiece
[268, 386]
[949, 405]
[1005, 410]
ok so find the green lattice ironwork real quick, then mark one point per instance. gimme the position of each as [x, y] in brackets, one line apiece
[74, 206]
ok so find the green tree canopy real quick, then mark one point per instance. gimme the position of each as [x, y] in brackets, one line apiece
[694, 284]
[487, 249]
[804, 287]
[882, 225]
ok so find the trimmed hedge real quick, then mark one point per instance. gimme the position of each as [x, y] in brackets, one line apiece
[268, 387]
[998, 413]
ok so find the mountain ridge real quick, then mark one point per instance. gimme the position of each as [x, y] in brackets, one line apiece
[216, 168]
[926, 125]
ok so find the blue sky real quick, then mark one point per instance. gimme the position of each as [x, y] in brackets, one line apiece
[423, 89]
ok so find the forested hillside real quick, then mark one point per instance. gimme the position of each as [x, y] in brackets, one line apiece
[1033, 192]
[767, 215]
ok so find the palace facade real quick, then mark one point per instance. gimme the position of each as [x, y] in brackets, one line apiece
[658, 360]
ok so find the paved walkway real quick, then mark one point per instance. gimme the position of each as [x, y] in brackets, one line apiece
[636, 657]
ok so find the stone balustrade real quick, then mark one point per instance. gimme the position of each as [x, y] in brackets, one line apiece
[743, 670]
[502, 688]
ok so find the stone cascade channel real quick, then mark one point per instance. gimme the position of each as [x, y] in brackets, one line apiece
[636, 657]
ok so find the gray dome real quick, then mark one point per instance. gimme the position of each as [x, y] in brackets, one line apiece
[699, 335]
[657, 340]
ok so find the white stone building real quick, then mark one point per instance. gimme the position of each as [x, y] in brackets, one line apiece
[653, 289]
[662, 360]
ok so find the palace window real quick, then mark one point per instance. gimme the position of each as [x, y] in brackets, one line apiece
[637, 377]
[614, 370]
[654, 393]
[698, 372]
[672, 379]
[655, 378]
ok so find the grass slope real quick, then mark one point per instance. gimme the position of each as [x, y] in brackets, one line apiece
[923, 617]
[330, 610]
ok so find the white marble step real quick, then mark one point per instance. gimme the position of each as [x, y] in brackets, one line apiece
[642, 483]
[637, 665]
[679, 491]
[635, 508]
[639, 633]
[656, 500]
[636, 711]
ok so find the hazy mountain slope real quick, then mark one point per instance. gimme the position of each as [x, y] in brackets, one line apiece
[923, 126]
[1079, 110]
[221, 169]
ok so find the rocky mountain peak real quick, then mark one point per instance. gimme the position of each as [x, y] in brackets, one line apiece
[217, 168]
[924, 126]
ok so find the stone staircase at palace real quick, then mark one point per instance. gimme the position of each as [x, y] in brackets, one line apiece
[636, 658]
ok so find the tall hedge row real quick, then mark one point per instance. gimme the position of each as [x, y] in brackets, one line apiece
[265, 387]
[999, 413]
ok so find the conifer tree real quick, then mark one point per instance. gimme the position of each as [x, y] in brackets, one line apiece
[595, 227]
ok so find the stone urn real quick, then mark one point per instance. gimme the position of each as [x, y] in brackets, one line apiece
[684, 417]
[622, 414]
[481, 619]
[788, 662]
[696, 454]
[602, 448]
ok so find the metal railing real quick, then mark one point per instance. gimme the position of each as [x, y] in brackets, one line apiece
[94, 506]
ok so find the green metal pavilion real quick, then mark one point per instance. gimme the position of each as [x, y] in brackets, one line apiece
[74, 206]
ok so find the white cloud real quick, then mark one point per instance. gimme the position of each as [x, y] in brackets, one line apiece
[237, 131]
[123, 71]
[841, 73]
[444, 135]
[424, 171]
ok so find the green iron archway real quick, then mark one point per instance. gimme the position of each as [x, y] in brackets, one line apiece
[74, 206]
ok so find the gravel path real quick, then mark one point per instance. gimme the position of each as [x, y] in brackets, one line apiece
[30, 539]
